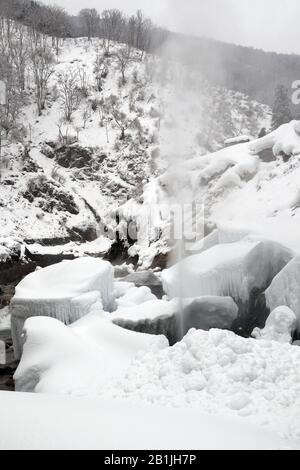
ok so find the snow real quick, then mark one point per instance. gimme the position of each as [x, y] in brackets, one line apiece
[280, 326]
[285, 139]
[66, 291]
[99, 246]
[220, 373]
[215, 372]
[80, 358]
[135, 296]
[44, 422]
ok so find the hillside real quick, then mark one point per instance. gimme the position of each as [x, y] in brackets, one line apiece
[68, 178]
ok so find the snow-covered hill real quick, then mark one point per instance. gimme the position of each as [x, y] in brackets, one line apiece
[68, 179]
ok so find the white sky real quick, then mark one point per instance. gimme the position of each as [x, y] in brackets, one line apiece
[265, 24]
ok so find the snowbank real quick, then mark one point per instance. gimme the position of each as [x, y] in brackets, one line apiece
[78, 359]
[36, 422]
[66, 291]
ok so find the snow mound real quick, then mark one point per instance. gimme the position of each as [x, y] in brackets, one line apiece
[66, 291]
[220, 373]
[280, 326]
[285, 289]
[77, 359]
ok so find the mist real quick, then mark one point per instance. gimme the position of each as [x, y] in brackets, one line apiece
[242, 22]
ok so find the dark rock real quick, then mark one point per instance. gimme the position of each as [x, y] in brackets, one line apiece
[74, 156]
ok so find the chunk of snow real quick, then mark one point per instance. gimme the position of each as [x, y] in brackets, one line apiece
[66, 291]
[280, 326]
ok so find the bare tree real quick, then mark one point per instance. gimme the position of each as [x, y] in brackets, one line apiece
[124, 56]
[100, 70]
[120, 118]
[58, 25]
[42, 66]
[90, 20]
[68, 86]
[112, 27]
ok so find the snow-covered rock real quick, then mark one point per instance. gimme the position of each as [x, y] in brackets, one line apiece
[236, 270]
[280, 326]
[285, 289]
[66, 291]
[80, 358]
[174, 319]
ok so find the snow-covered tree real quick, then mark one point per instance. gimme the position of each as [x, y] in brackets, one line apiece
[68, 87]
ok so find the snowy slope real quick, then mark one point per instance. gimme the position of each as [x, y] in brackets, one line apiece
[57, 191]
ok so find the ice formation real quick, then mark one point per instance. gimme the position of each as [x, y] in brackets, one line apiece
[280, 326]
[285, 289]
[66, 291]
[80, 358]
[235, 269]
[174, 319]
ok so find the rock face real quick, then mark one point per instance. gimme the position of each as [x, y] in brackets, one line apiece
[66, 291]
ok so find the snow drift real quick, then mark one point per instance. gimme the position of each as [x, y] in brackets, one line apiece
[77, 359]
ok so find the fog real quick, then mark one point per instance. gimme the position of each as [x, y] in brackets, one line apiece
[265, 24]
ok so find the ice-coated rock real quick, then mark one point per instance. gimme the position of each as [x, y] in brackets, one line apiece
[285, 289]
[174, 319]
[238, 270]
[66, 291]
[280, 326]
[205, 313]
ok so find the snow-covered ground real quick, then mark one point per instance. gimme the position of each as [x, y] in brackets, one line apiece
[42, 422]
[217, 372]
